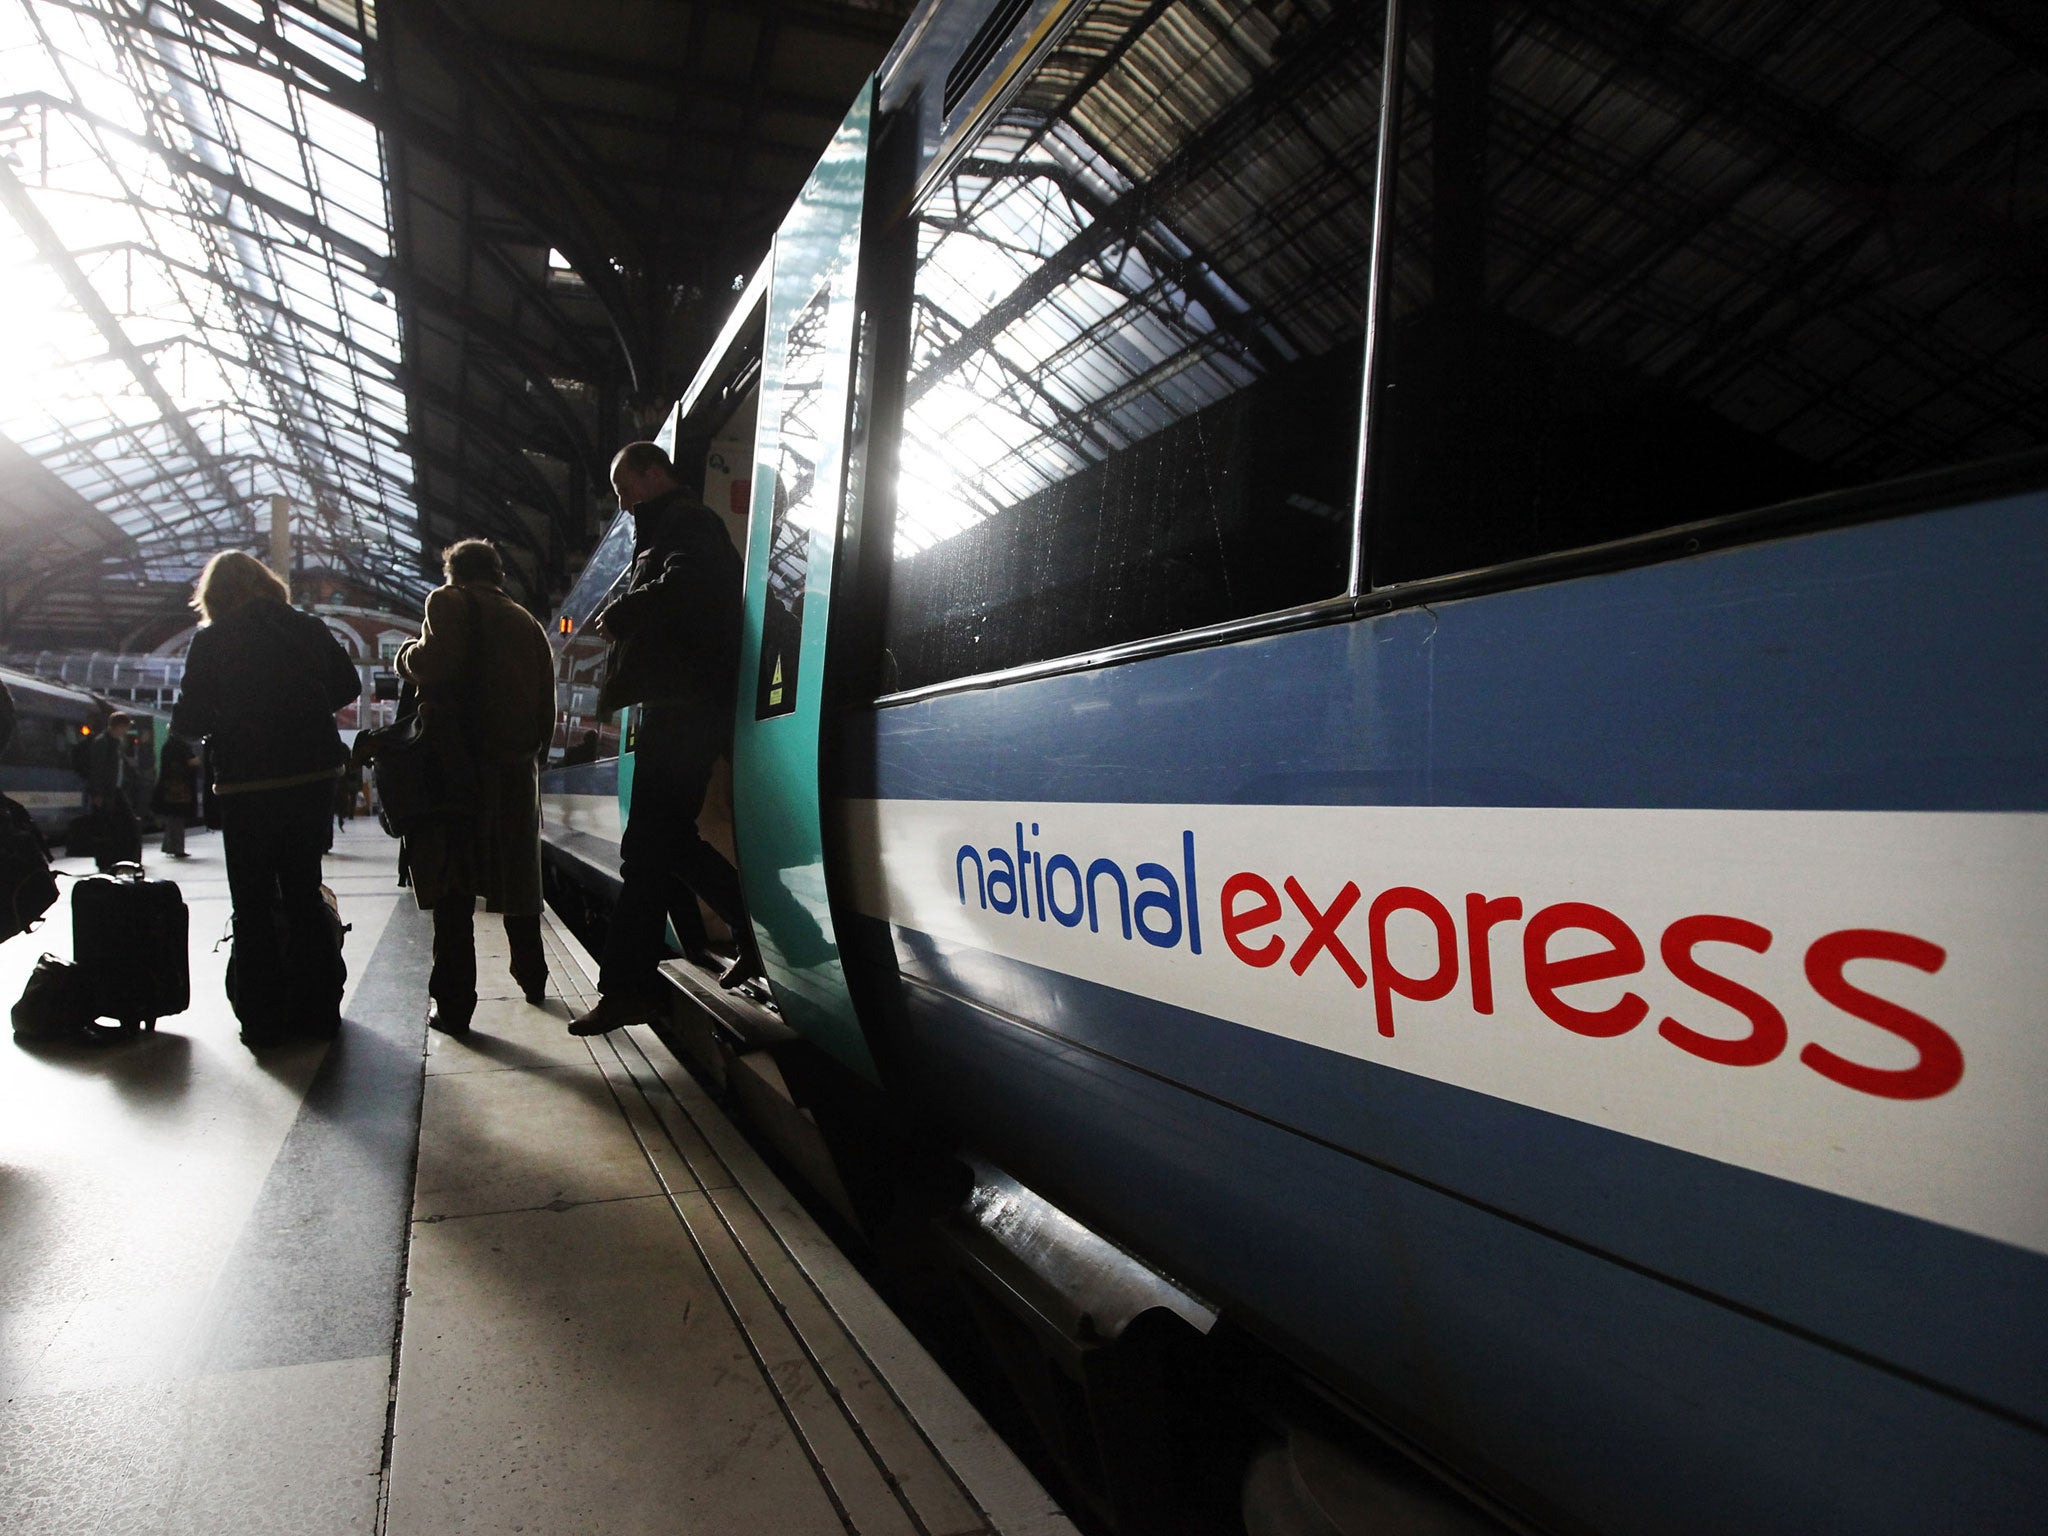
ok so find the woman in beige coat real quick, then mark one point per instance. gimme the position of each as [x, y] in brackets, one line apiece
[485, 671]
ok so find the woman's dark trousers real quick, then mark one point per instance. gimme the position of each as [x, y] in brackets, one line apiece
[273, 840]
[452, 984]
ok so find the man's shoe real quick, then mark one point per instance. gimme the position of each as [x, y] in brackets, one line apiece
[615, 1010]
[748, 967]
[742, 971]
[448, 1022]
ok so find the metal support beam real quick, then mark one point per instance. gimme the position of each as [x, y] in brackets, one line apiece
[53, 252]
[512, 183]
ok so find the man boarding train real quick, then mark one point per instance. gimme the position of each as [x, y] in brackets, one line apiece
[675, 642]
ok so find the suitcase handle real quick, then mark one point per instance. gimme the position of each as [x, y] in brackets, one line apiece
[127, 869]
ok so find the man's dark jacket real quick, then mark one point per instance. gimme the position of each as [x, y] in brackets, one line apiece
[675, 630]
[104, 758]
[264, 682]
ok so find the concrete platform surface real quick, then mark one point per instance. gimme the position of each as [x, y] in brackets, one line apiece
[511, 1282]
[200, 1249]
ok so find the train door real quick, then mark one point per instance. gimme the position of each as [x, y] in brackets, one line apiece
[710, 439]
[798, 490]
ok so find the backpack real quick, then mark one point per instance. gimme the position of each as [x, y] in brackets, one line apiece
[28, 889]
[315, 981]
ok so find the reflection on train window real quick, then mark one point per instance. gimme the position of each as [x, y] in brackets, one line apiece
[1654, 263]
[1134, 386]
[579, 651]
[799, 443]
[602, 572]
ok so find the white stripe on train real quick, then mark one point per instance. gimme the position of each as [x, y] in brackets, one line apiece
[1851, 1000]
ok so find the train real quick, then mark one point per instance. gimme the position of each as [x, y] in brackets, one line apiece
[39, 769]
[1392, 745]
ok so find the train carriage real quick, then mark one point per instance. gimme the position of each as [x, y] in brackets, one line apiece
[1393, 689]
[39, 769]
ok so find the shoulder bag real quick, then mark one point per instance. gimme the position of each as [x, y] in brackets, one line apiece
[28, 888]
[423, 765]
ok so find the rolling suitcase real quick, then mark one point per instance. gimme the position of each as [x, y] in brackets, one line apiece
[128, 935]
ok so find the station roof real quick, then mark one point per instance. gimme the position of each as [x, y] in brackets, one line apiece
[418, 267]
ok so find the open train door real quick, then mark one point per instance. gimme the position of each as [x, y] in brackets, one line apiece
[807, 365]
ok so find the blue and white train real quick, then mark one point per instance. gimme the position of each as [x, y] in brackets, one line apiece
[1393, 742]
[38, 770]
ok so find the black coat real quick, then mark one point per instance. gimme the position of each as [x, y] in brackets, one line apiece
[264, 683]
[675, 630]
[104, 767]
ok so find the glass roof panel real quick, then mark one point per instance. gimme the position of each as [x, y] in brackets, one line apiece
[178, 258]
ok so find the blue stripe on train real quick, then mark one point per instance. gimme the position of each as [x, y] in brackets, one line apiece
[1869, 1277]
[1899, 665]
[1635, 1397]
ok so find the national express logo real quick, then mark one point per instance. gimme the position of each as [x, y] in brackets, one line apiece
[1172, 903]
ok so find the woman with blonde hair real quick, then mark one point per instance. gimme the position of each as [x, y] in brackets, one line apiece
[262, 683]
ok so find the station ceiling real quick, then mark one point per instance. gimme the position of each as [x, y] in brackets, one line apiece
[418, 266]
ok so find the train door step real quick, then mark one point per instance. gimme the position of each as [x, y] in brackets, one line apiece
[714, 1025]
[731, 1040]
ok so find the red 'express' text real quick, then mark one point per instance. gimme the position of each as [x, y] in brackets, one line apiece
[1571, 943]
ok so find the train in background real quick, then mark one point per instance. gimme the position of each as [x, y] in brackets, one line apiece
[1392, 747]
[39, 771]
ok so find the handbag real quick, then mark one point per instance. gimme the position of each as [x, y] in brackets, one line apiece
[28, 887]
[55, 1005]
[209, 802]
[422, 764]
[422, 772]
[175, 794]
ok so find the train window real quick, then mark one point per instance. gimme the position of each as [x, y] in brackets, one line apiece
[799, 444]
[603, 571]
[40, 740]
[1133, 396]
[1658, 262]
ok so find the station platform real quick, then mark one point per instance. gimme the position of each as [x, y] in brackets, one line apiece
[406, 1283]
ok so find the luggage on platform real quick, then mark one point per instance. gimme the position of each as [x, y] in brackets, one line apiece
[120, 835]
[108, 835]
[305, 997]
[129, 937]
[56, 1006]
[82, 836]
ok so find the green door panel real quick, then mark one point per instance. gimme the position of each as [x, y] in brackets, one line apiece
[628, 719]
[792, 540]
